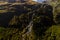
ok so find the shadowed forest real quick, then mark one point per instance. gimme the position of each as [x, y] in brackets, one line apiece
[30, 22]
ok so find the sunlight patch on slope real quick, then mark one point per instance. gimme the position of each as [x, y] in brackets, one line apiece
[34, 0]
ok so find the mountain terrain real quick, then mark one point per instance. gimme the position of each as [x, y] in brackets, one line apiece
[28, 22]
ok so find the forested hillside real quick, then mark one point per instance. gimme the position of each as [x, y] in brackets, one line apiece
[30, 22]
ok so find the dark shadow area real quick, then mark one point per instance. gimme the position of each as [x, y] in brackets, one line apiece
[43, 11]
[5, 18]
[19, 10]
[44, 20]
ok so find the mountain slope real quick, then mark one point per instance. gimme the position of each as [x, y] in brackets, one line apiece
[27, 22]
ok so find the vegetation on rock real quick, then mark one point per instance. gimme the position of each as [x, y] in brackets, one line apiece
[30, 22]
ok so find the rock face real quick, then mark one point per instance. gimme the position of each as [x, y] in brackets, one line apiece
[27, 22]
